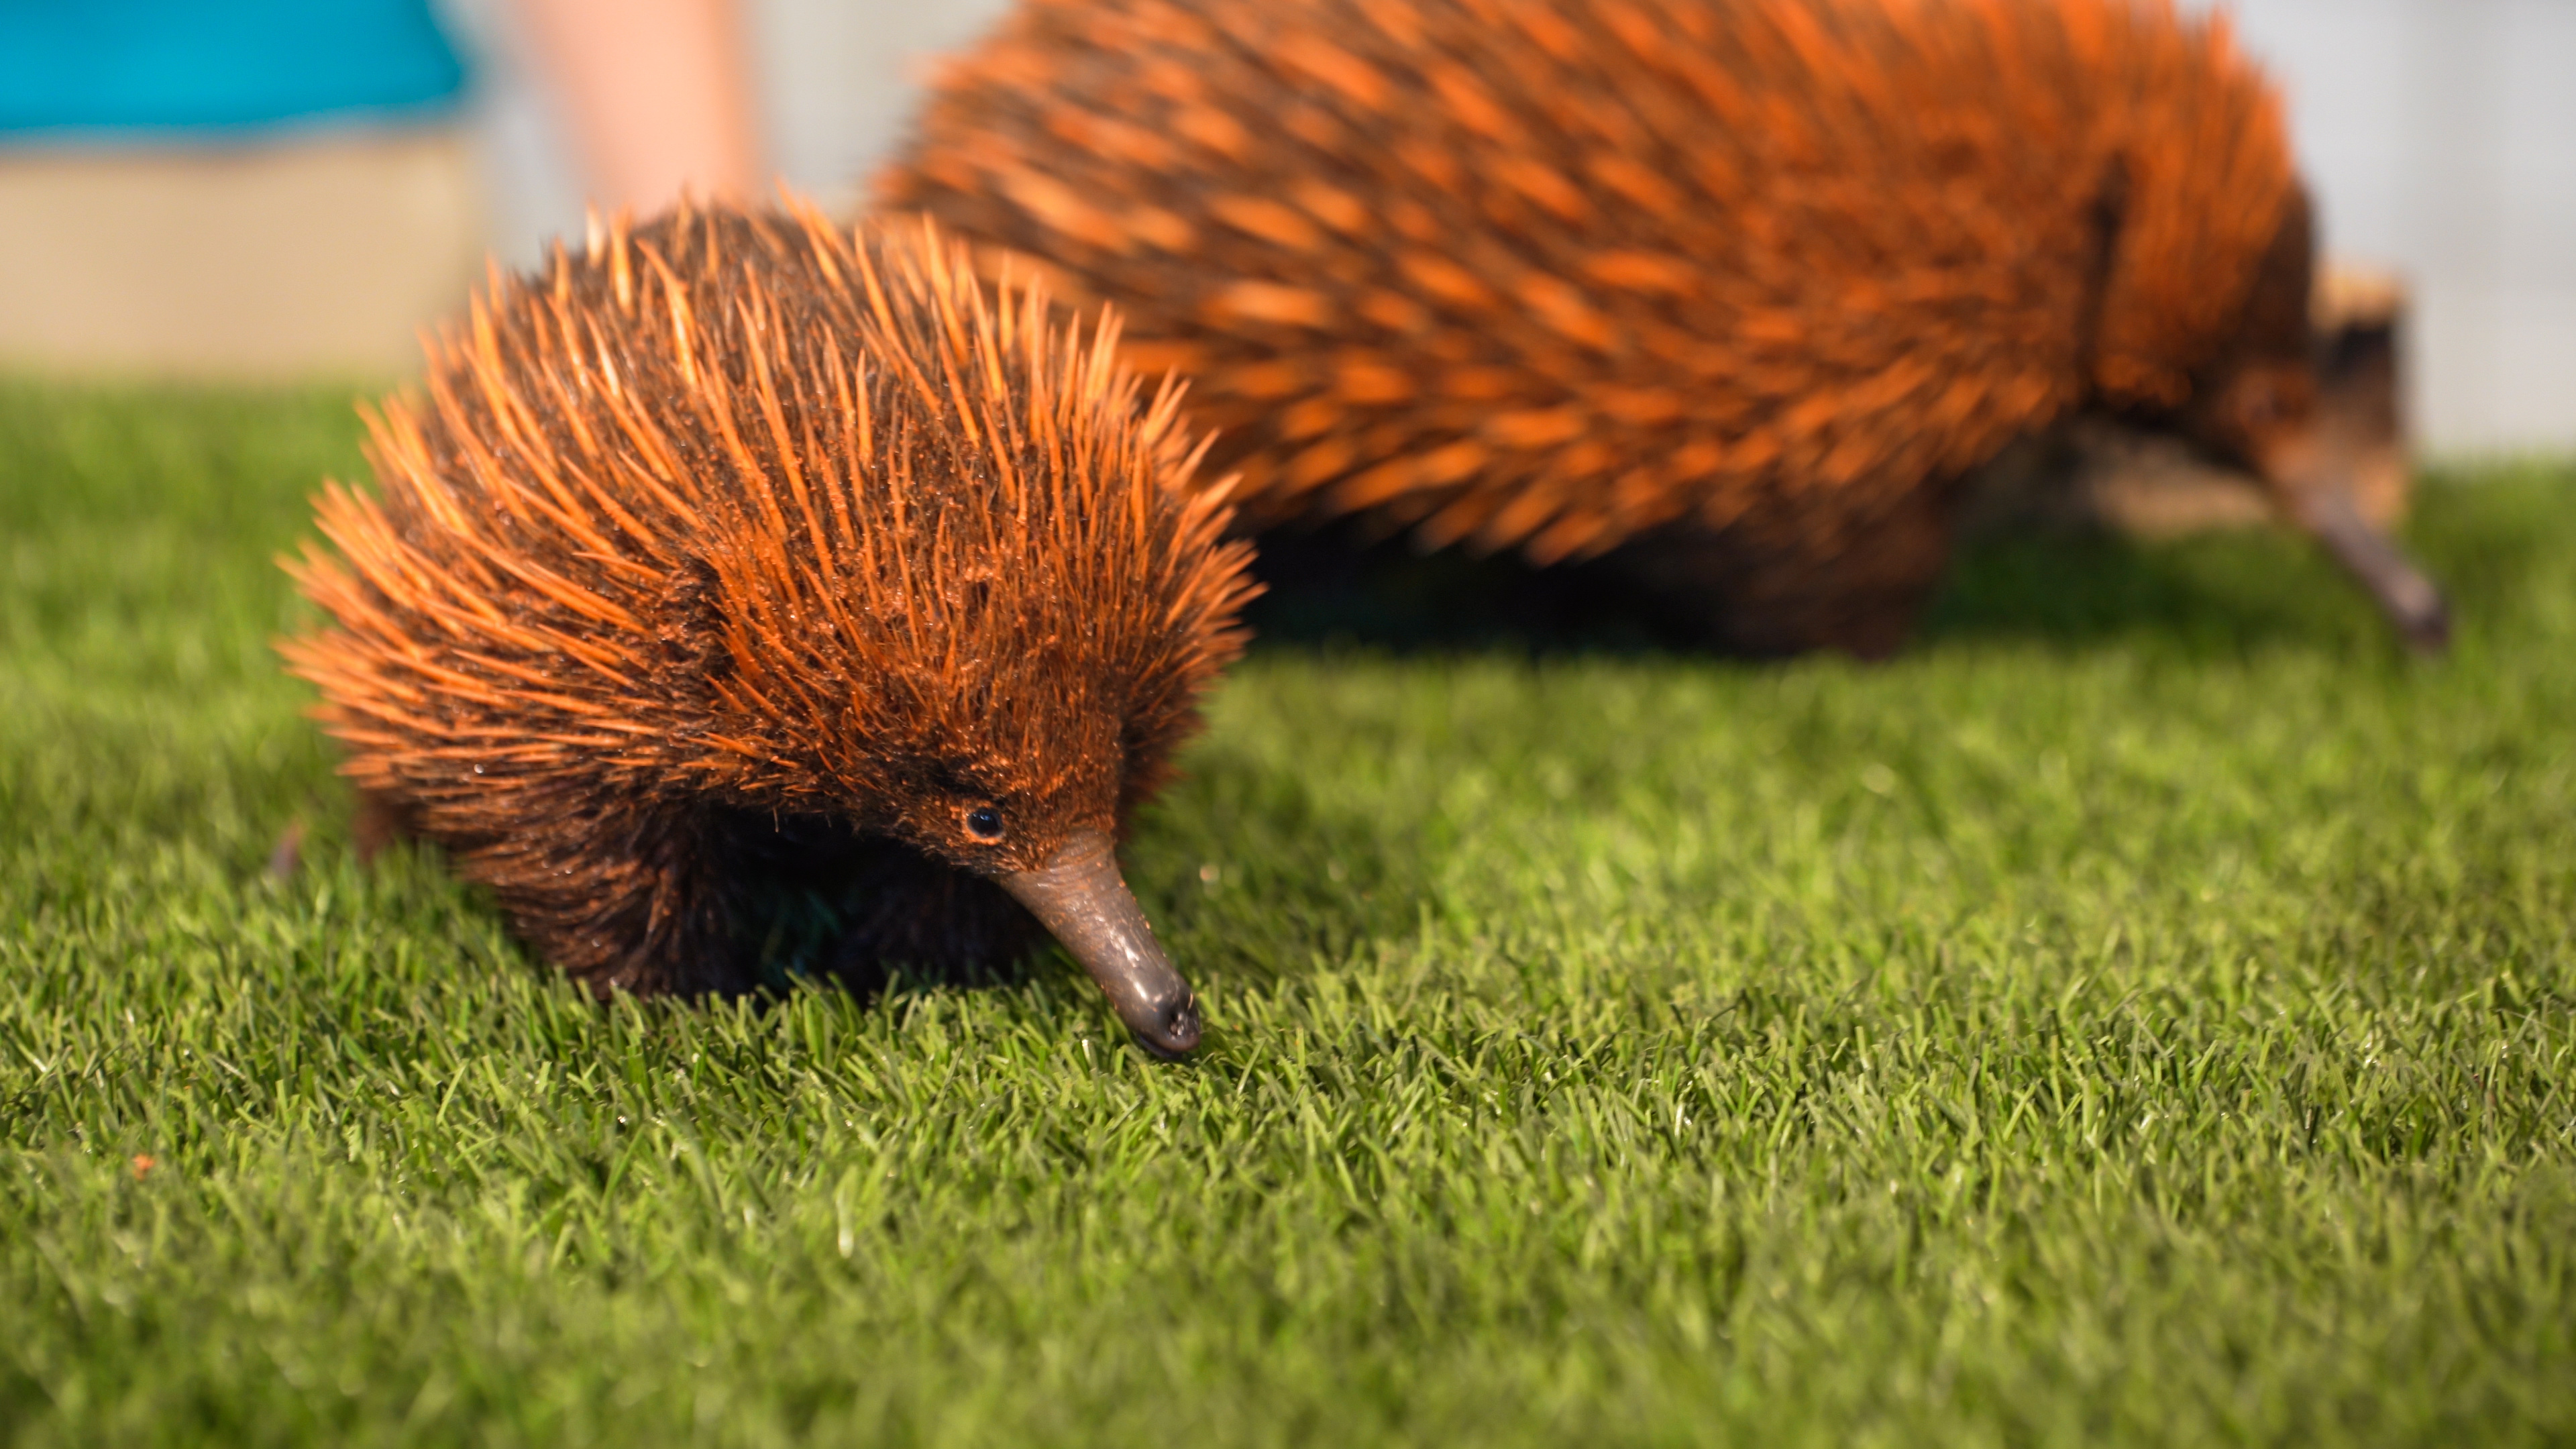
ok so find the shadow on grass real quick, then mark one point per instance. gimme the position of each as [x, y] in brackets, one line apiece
[2202, 597]
[2486, 538]
[1241, 871]
[2209, 596]
[1249, 877]
[1334, 586]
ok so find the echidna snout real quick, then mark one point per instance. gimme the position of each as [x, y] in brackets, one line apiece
[2266, 418]
[1016, 783]
[2262, 406]
[1080, 897]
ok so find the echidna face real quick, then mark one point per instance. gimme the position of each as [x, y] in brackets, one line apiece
[2265, 414]
[2255, 412]
[1015, 773]
[2258, 405]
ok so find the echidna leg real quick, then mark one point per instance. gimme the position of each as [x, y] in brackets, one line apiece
[382, 822]
[812, 896]
[1854, 584]
[621, 895]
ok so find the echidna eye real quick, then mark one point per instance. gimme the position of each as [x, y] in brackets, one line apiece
[984, 823]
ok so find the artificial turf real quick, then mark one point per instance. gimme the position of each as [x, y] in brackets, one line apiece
[2140, 1014]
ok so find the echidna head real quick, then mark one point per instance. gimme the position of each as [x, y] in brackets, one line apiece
[1012, 767]
[2259, 405]
[993, 688]
[995, 657]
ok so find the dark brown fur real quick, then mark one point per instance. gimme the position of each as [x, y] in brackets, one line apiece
[1736, 290]
[727, 566]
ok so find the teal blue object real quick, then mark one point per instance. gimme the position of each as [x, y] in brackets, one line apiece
[166, 68]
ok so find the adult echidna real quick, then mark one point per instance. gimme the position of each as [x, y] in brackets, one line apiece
[1736, 290]
[750, 598]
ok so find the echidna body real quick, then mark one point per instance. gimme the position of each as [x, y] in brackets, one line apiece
[750, 598]
[1734, 289]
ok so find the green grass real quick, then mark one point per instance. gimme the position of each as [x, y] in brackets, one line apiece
[2142, 1014]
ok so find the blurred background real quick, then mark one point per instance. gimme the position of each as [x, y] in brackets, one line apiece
[291, 188]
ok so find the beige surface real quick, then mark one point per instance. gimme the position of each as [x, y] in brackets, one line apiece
[313, 257]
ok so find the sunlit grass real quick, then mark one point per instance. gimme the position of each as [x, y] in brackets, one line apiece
[2141, 1014]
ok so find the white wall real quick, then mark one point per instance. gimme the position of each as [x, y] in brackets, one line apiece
[2439, 136]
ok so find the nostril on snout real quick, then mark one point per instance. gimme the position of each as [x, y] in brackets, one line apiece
[1176, 1031]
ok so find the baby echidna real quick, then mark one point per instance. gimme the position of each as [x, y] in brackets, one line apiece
[752, 598]
[1733, 290]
